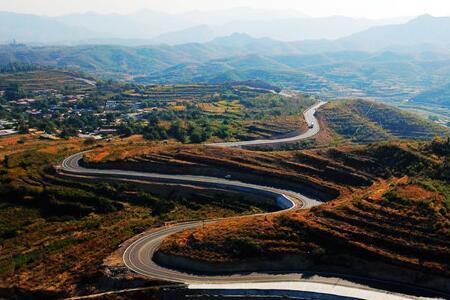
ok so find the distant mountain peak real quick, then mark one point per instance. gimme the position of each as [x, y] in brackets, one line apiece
[234, 38]
[421, 31]
[427, 19]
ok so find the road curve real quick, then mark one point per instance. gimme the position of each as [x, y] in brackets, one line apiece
[310, 119]
[138, 257]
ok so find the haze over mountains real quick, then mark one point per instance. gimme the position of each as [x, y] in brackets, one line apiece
[396, 61]
[149, 27]
[422, 31]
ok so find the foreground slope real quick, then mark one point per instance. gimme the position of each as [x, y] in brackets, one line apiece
[56, 232]
[402, 225]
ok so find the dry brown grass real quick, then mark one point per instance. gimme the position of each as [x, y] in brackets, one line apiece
[296, 169]
[396, 221]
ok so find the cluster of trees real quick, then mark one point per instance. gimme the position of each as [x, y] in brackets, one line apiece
[441, 146]
[15, 67]
[189, 126]
[14, 92]
[57, 200]
[67, 127]
[186, 132]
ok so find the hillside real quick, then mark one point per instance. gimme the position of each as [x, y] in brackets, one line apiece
[436, 96]
[43, 79]
[399, 223]
[56, 232]
[327, 172]
[395, 223]
[47, 218]
[422, 31]
[300, 65]
[306, 172]
[363, 121]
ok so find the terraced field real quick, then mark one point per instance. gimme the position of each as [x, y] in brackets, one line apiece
[46, 79]
[399, 222]
[363, 121]
[309, 170]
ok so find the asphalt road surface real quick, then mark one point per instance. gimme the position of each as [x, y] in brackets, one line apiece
[138, 257]
[310, 120]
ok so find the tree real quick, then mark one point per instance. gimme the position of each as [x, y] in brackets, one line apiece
[224, 131]
[125, 129]
[68, 132]
[197, 135]
[22, 127]
[178, 131]
[155, 133]
[14, 92]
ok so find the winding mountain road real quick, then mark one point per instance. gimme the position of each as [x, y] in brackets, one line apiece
[138, 257]
[310, 119]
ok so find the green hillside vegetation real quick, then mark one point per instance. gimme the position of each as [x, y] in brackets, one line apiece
[223, 112]
[332, 74]
[436, 96]
[364, 121]
[65, 102]
[33, 79]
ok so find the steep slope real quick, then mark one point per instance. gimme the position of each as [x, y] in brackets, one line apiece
[396, 223]
[364, 121]
[306, 172]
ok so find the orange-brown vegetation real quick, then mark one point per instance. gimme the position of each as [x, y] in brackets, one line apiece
[405, 222]
[55, 232]
[307, 170]
[399, 222]
[45, 220]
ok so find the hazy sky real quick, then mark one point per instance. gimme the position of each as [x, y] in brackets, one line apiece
[355, 8]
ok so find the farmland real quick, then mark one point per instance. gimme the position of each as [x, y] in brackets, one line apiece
[64, 104]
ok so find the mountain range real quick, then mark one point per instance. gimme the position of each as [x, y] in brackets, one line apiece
[425, 35]
[398, 61]
[422, 31]
[149, 27]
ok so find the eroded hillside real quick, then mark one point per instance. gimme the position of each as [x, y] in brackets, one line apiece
[401, 221]
[364, 121]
